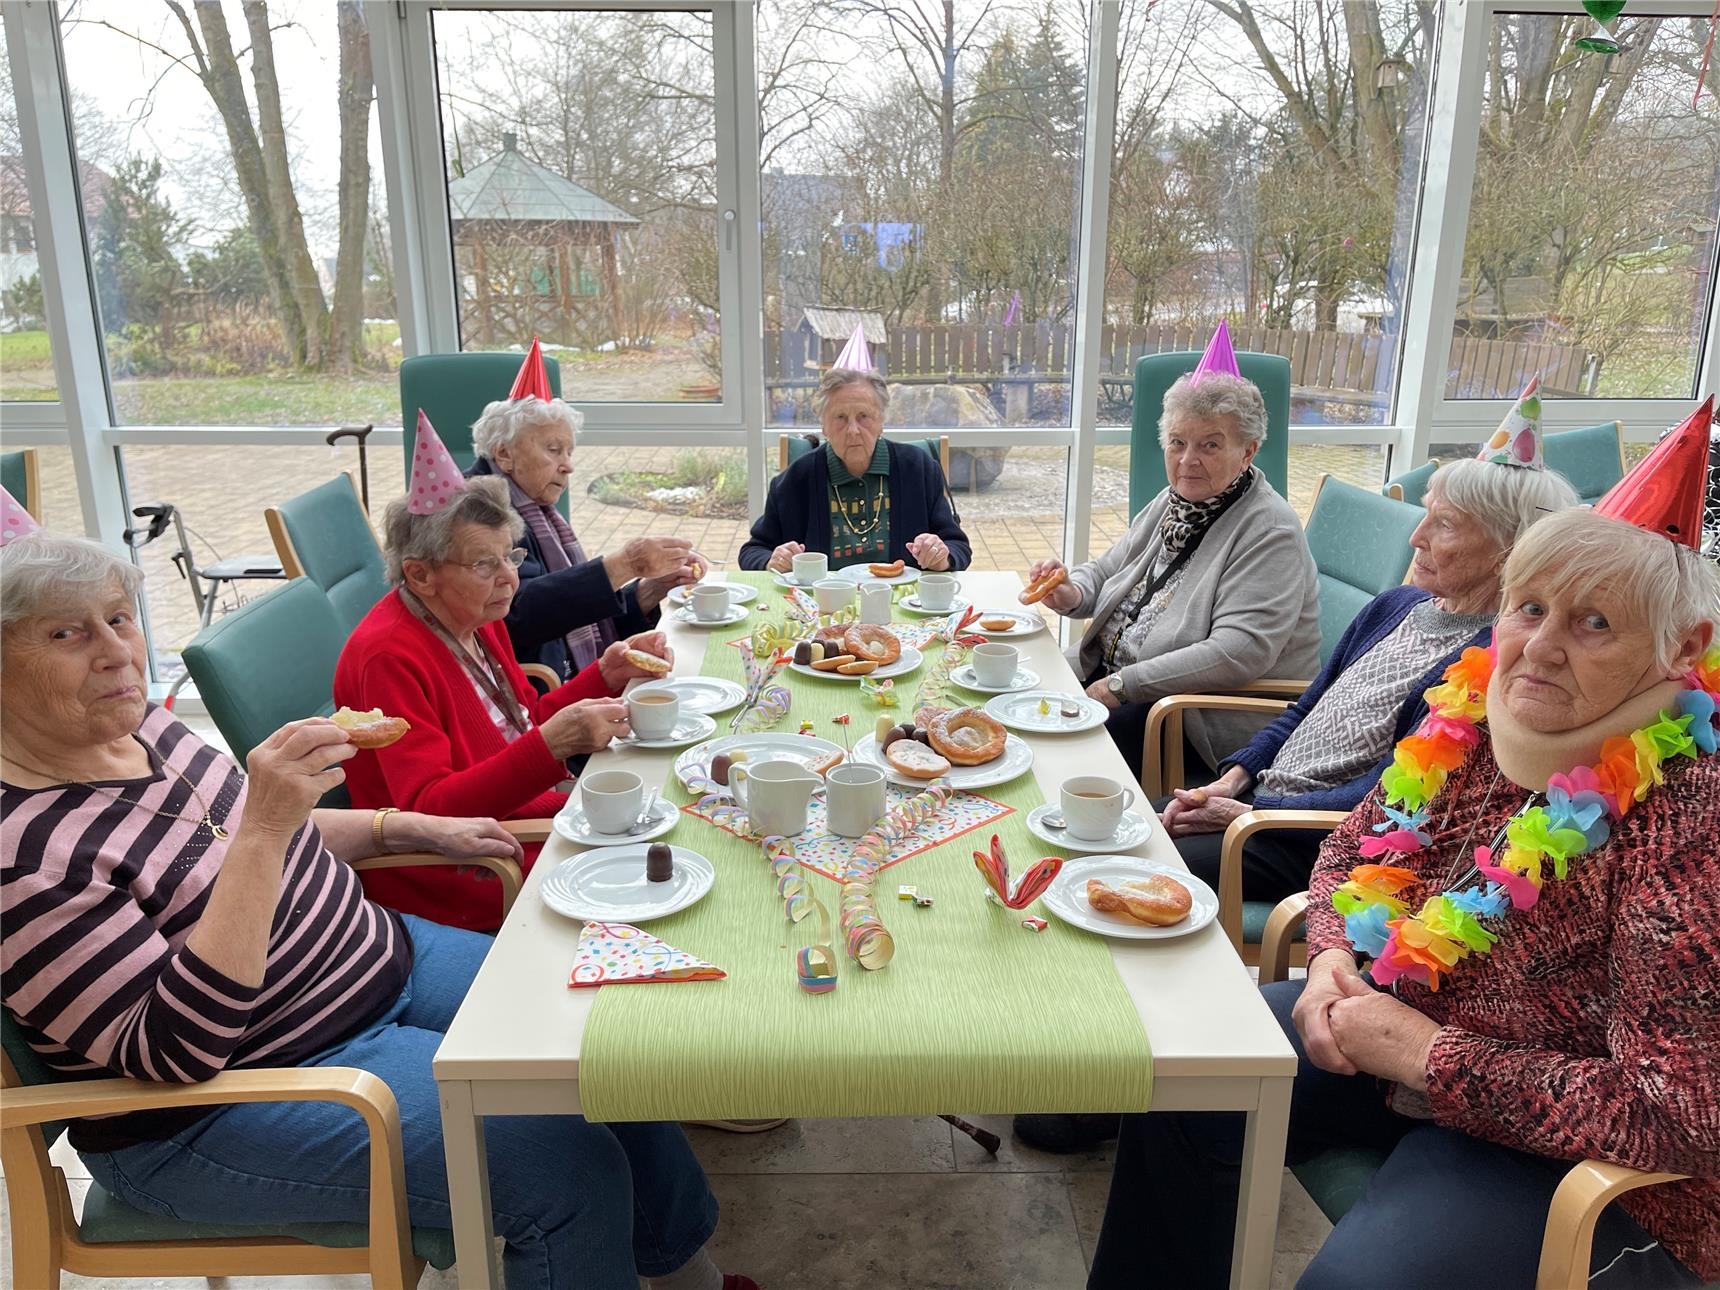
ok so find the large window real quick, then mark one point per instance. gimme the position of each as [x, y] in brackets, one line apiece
[26, 361]
[1590, 251]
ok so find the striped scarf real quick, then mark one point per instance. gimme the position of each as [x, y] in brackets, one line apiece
[561, 550]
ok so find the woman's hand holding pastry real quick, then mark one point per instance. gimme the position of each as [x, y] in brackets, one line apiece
[1332, 977]
[618, 669]
[1381, 1035]
[290, 771]
[782, 559]
[930, 553]
[585, 727]
[450, 835]
[647, 557]
[1061, 597]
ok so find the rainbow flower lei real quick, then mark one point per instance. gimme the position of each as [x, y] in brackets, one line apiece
[1577, 816]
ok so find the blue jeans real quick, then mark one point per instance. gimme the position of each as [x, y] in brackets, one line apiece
[578, 1204]
[1445, 1209]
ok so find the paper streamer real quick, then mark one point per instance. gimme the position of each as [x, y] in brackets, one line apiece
[815, 964]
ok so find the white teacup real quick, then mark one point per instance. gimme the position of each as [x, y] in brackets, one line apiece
[994, 664]
[833, 594]
[1093, 806]
[854, 796]
[653, 710]
[611, 799]
[710, 603]
[810, 567]
[937, 590]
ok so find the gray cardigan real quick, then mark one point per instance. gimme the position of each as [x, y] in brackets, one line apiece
[1247, 608]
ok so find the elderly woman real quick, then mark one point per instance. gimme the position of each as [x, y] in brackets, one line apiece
[1211, 587]
[862, 499]
[1584, 1023]
[568, 609]
[436, 652]
[218, 926]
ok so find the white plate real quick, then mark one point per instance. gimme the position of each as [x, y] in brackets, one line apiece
[574, 825]
[1021, 712]
[1067, 898]
[911, 658]
[739, 593]
[913, 606]
[768, 745]
[1025, 624]
[1133, 830]
[690, 727]
[1015, 759]
[705, 694]
[734, 614]
[1025, 679]
[609, 885]
[863, 573]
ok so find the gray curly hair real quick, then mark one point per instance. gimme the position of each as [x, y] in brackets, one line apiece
[41, 573]
[405, 536]
[506, 420]
[1218, 395]
[840, 378]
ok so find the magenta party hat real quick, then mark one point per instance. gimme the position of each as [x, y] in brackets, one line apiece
[856, 355]
[436, 480]
[1219, 356]
[1517, 441]
[15, 521]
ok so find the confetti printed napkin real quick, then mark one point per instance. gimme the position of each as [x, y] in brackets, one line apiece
[618, 954]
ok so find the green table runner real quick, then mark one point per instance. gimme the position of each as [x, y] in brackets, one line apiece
[975, 1014]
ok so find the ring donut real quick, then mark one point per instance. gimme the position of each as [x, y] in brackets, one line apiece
[967, 736]
[648, 662]
[886, 570]
[1156, 900]
[1037, 591]
[371, 729]
[864, 640]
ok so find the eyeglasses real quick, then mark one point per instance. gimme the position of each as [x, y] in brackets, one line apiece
[491, 565]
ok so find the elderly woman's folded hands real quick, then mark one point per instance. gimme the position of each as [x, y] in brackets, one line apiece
[1348, 1026]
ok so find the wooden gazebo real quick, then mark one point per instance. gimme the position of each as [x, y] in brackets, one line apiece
[535, 253]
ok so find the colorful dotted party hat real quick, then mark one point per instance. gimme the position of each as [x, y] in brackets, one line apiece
[436, 480]
[15, 521]
[1219, 356]
[1517, 441]
[533, 379]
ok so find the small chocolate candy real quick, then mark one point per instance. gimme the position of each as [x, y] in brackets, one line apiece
[894, 736]
[921, 735]
[881, 729]
[922, 902]
[803, 653]
[659, 862]
[815, 651]
[720, 767]
[1034, 924]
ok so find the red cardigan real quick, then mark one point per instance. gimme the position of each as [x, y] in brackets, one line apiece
[453, 761]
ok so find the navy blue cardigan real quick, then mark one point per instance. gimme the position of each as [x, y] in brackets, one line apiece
[797, 509]
[550, 605]
[1370, 627]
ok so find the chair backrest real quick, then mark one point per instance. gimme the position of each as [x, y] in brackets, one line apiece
[21, 474]
[325, 535]
[792, 447]
[25, 1067]
[453, 390]
[1411, 486]
[1591, 458]
[1360, 543]
[1156, 373]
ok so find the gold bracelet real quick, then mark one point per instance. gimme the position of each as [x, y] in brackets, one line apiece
[382, 813]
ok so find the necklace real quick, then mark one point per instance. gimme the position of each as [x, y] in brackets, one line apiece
[1573, 818]
[860, 530]
[207, 821]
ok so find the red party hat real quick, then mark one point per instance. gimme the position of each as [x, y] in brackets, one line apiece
[1663, 492]
[436, 480]
[533, 379]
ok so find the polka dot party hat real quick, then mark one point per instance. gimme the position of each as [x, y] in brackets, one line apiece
[15, 521]
[1517, 441]
[436, 480]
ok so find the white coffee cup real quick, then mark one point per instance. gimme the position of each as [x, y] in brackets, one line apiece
[833, 594]
[875, 601]
[710, 604]
[937, 590]
[854, 796]
[653, 710]
[611, 799]
[994, 664]
[810, 567]
[1093, 806]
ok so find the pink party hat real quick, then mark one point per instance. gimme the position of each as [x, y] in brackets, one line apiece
[436, 480]
[856, 355]
[533, 378]
[15, 521]
[1219, 356]
[1517, 441]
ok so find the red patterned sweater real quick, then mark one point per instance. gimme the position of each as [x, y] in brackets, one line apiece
[1593, 1027]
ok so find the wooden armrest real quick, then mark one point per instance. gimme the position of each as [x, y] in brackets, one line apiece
[1282, 924]
[1583, 1193]
[1268, 689]
[1162, 749]
[542, 673]
[530, 830]
[504, 867]
[1236, 836]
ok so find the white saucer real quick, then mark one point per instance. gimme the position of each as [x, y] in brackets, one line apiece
[609, 885]
[1020, 711]
[739, 593]
[689, 729]
[913, 606]
[1066, 897]
[1025, 679]
[1134, 829]
[734, 614]
[707, 694]
[574, 825]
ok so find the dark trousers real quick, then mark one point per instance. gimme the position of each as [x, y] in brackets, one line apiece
[1127, 727]
[1275, 864]
[1446, 1209]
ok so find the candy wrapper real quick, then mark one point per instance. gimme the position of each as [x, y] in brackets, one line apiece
[881, 693]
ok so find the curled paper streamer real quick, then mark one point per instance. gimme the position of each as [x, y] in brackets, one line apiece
[815, 964]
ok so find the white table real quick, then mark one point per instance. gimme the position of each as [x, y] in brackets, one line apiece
[513, 1048]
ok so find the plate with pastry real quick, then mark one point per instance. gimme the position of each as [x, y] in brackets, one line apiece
[850, 662]
[894, 572]
[1006, 622]
[714, 758]
[1130, 898]
[739, 593]
[372, 729]
[614, 884]
[963, 748]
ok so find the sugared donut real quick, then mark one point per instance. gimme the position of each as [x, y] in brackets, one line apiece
[967, 736]
[879, 644]
[371, 729]
[1156, 900]
[648, 662]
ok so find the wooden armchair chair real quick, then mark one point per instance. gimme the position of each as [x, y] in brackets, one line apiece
[1336, 1179]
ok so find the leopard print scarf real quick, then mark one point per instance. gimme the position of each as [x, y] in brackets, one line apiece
[1184, 520]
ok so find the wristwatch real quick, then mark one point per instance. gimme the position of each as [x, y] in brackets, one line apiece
[1114, 683]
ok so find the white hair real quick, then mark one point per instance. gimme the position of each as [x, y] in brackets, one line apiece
[840, 378]
[505, 420]
[1218, 395]
[483, 501]
[1503, 500]
[41, 573]
[1659, 582]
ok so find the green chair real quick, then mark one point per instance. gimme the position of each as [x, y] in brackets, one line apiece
[114, 1240]
[21, 475]
[1156, 373]
[1411, 486]
[453, 390]
[1591, 458]
[1360, 543]
[325, 535]
[792, 447]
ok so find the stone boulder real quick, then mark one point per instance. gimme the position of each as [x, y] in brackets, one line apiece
[952, 407]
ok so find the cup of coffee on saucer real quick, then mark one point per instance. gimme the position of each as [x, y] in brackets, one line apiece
[653, 710]
[994, 664]
[1093, 806]
[710, 603]
[809, 567]
[611, 799]
[936, 590]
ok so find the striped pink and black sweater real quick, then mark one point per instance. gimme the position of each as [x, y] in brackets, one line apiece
[98, 897]
[1592, 1029]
